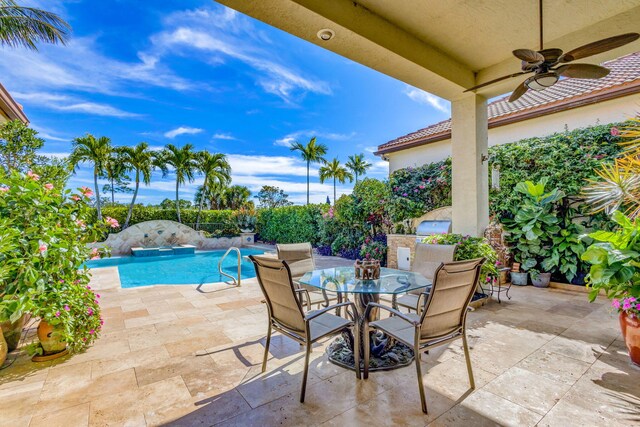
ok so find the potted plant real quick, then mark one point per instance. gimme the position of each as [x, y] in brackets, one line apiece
[531, 229]
[246, 220]
[615, 269]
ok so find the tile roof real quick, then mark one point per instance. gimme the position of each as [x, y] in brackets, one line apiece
[625, 72]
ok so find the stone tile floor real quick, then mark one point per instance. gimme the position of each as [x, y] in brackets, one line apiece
[176, 355]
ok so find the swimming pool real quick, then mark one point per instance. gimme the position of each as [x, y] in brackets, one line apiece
[177, 269]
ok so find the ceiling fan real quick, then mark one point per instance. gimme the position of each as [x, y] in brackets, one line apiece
[547, 65]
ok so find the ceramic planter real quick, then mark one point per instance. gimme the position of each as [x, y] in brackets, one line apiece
[542, 280]
[3, 348]
[50, 338]
[519, 279]
[13, 331]
[631, 333]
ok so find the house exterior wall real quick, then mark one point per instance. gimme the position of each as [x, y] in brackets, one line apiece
[614, 110]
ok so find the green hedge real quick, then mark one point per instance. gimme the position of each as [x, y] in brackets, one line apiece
[144, 213]
[290, 224]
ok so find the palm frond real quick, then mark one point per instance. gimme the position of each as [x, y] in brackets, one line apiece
[25, 26]
[619, 185]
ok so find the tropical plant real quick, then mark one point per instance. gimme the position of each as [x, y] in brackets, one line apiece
[115, 171]
[310, 153]
[358, 165]
[470, 248]
[334, 170]
[246, 219]
[216, 169]
[533, 225]
[45, 231]
[140, 160]
[25, 26]
[88, 148]
[618, 186]
[272, 197]
[237, 197]
[18, 146]
[613, 256]
[184, 163]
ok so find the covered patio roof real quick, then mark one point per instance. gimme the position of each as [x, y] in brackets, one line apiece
[445, 47]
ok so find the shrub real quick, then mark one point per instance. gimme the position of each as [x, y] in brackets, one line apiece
[290, 224]
[43, 235]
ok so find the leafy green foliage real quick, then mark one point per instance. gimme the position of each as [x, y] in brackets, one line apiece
[24, 26]
[290, 224]
[470, 248]
[272, 197]
[18, 146]
[43, 233]
[614, 260]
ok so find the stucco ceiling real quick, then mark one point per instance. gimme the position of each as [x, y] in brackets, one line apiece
[442, 46]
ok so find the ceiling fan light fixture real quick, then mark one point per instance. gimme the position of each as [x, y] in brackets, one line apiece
[541, 81]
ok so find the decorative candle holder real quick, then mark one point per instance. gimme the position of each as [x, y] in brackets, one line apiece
[367, 269]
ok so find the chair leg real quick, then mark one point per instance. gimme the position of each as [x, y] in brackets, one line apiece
[365, 346]
[306, 371]
[356, 348]
[423, 399]
[467, 357]
[266, 349]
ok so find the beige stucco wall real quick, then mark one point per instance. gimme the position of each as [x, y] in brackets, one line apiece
[614, 110]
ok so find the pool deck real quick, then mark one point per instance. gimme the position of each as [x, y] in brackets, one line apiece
[182, 356]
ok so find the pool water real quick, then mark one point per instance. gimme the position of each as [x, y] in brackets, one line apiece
[178, 269]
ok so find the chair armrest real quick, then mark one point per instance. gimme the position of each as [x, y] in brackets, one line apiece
[390, 310]
[304, 293]
[326, 309]
[421, 304]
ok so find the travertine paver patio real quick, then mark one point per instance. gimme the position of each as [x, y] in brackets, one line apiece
[180, 356]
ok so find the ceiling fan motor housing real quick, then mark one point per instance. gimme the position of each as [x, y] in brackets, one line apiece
[541, 81]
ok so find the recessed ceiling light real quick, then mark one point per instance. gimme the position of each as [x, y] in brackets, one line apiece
[326, 34]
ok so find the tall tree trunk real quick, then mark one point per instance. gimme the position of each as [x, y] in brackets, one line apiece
[133, 200]
[178, 201]
[356, 177]
[113, 199]
[203, 194]
[334, 191]
[307, 181]
[95, 182]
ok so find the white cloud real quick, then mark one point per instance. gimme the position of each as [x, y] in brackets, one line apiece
[182, 130]
[286, 140]
[371, 149]
[71, 104]
[426, 98]
[226, 136]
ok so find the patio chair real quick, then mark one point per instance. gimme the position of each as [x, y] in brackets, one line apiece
[442, 320]
[299, 258]
[426, 261]
[287, 317]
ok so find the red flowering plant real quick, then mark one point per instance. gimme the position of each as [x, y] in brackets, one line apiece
[44, 233]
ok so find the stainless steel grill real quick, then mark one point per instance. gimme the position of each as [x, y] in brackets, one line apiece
[427, 228]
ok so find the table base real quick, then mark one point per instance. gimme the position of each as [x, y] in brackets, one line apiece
[396, 355]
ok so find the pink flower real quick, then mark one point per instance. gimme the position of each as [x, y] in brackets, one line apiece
[615, 303]
[66, 308]
[57, 314]
[75, 198]
[101, 322]
[112, 222]
[95, 257]
[97, 295]
[90, 311]
[42, 248]
[615, 131]
[33, 176]
[88, 287]
[632, 299]
[86, 191]
[91, 332]
[4, 189]
[81, 224]
[48, 186]
[626, 305]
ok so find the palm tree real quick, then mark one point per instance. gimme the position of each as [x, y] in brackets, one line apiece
[216, 169]
[236, 197]
[335, 170]
[310, 153]
[115, 171]
[139, 159]
[183, 161]
[358, 165]
[24, 26]
[89, 149]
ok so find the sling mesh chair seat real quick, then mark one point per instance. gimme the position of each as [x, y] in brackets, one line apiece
[426, 261]
[299, 258]
[287, 316]
[442, 320]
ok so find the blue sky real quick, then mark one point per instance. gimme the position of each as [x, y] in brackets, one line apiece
[197, 72]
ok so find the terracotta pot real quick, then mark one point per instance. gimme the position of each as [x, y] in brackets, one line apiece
[50, 338]
[3, 348]
[631, 333]
[13, 331]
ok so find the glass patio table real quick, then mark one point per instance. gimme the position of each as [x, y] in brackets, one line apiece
[385, 352]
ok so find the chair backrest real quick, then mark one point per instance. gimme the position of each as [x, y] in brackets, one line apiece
[453, 287]
[299, 258]
[428, 258]
[274, 278]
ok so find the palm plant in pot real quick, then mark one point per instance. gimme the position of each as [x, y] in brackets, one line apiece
[531, 228]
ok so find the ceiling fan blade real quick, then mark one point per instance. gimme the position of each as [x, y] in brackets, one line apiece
[528, 55]
[551, 55]
[497, 80]
[582, 71]
[520, 90]
[599, 46]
